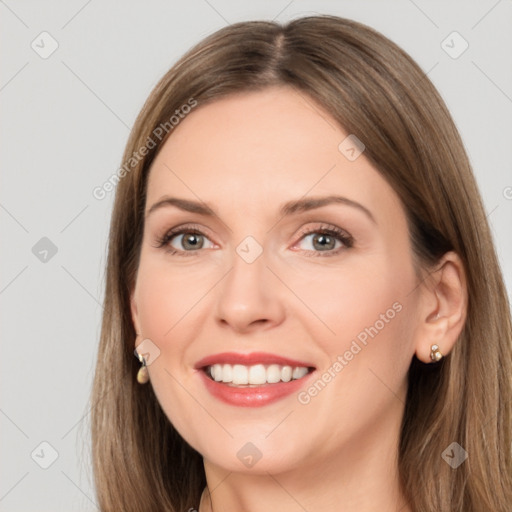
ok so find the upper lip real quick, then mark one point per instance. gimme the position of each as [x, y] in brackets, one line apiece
[250, 359]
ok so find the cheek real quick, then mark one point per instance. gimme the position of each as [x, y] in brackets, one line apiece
[365, 362]
[169, 298]
[166, 295]
[366, 306]
[154, 303]
[162, 303]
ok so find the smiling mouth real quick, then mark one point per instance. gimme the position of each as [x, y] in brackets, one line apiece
[238, 375]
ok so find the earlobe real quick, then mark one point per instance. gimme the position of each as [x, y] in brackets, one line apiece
[435, 354]
[444, 308]
[433, 342]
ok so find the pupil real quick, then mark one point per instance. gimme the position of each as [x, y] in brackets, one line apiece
[192, 241]
[324, 241]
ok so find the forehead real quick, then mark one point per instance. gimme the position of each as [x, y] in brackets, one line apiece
[271, 145]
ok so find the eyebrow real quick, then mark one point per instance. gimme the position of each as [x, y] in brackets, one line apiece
[287, 209]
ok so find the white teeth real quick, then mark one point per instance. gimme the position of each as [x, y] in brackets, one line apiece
[258, 374]
[273, 373]
[227, 373]
[299, 372]
[217, 372]
[240, 374]
[286, 373]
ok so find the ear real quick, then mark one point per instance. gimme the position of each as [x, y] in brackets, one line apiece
[135, 315]
[443, 307]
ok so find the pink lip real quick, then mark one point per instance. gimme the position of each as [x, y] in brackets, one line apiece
[249, 360]
[256, 396]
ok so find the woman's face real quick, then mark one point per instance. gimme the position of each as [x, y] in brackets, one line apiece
[270, 280]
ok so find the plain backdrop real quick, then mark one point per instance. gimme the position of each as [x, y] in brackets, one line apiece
[65, 120]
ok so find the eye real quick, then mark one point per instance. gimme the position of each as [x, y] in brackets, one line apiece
[323, 241]
[183, 240]
[329, 240]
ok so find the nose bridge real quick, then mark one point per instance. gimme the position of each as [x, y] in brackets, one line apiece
[247, 294]
[245, 282]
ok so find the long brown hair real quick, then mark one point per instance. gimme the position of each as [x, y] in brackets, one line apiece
[374, 90]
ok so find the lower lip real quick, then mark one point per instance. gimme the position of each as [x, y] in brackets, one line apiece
[256, 396]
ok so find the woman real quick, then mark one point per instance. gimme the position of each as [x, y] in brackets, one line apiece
[300, 258]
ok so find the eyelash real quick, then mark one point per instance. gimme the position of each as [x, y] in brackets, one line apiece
[329, 230]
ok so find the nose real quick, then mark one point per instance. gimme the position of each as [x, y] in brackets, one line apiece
[249, 297]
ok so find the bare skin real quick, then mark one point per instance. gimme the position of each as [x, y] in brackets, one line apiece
[336, 449]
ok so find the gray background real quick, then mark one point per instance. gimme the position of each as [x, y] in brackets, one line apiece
[65, 120]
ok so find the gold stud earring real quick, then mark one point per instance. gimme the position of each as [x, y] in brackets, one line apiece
[435, 353]
[142, 374]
